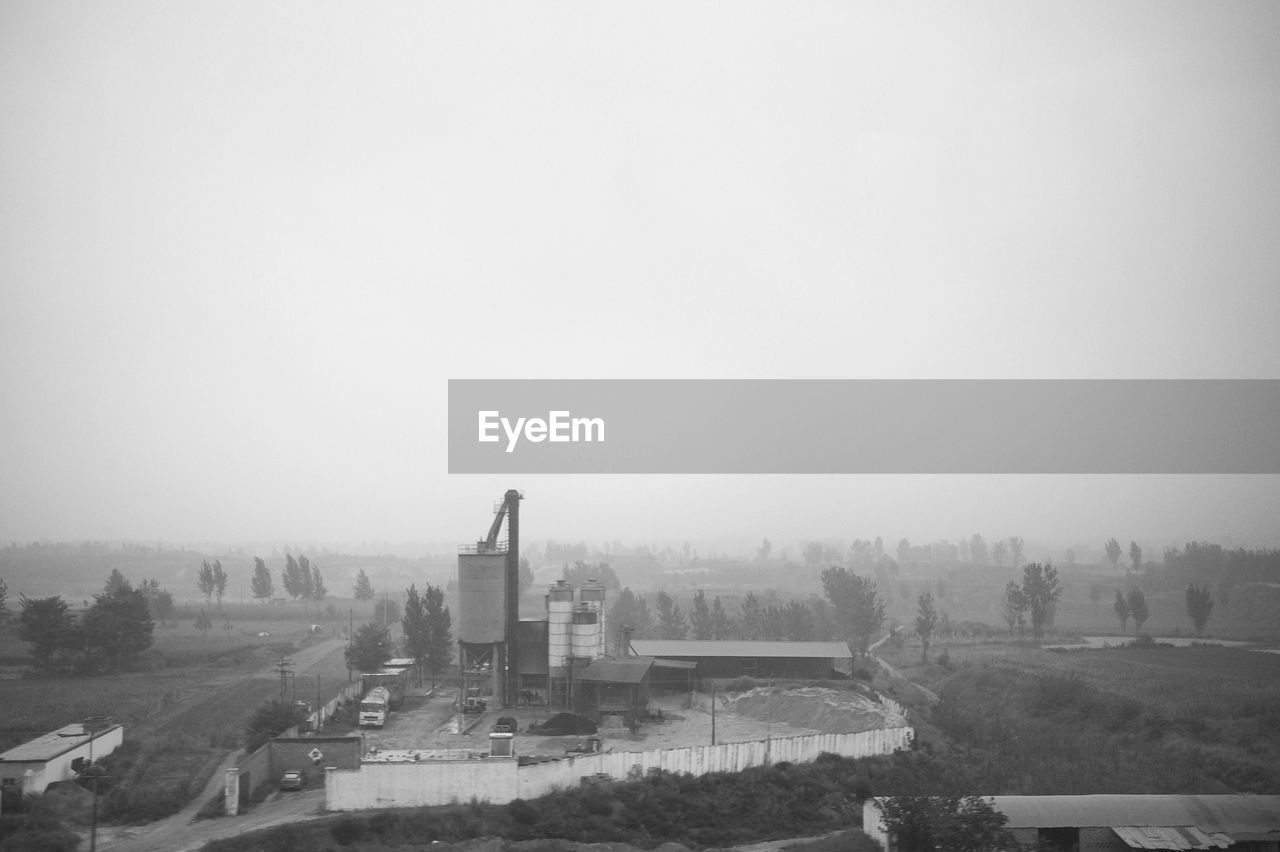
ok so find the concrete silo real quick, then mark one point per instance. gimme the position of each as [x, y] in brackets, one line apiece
[488, 604]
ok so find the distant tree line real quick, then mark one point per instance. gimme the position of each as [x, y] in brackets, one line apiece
[752, 617]
[851, 611]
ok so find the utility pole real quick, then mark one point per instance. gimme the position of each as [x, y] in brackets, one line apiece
[92, 726]
[768, 715]
[713, 712]
[283, 670]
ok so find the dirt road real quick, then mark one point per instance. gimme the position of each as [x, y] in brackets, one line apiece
[177, 834]
[224, 704]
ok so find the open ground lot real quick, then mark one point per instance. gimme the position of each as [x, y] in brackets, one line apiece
[430, 722]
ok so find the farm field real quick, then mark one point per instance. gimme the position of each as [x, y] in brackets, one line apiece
[1026, 720]
[184, 703]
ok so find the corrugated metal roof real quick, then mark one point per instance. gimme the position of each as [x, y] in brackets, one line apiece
[715, 648]
[629, 670]
[50, 745]
[1170, 837]
[1227, 814]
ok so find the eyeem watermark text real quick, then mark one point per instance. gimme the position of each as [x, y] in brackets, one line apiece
[559, 427]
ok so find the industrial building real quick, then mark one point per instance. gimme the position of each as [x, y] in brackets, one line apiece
[810, 660]
[562, 660]
[59, 755]
[1118, 823]
[558, 661]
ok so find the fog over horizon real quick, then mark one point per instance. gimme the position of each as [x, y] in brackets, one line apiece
[245, 248]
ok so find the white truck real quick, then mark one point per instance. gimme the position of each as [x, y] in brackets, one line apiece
[374, 708]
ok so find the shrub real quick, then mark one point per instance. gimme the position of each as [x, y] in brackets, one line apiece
[741, 684]
[523, 812]
[40, 840]
[347, 830]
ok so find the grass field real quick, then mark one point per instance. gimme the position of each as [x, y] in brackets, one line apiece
[1137, 720]
[183, 704]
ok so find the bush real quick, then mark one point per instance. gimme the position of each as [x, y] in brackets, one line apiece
[523, 812]
[741, 684]
[270, 719]
[347, 830]
[40, 840]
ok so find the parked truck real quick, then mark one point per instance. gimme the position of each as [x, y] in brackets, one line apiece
[374, 707]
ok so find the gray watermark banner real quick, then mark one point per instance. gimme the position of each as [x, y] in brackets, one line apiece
[722, 426]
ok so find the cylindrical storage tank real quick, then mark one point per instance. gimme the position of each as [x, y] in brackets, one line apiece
[482, 598]
[591, 596]
[592, 592]
[559, 617]
[586, 634]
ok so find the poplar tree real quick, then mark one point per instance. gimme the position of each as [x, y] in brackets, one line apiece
[261, 584]
[440, 632]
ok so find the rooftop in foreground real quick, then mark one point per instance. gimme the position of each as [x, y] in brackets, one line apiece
[50, 745]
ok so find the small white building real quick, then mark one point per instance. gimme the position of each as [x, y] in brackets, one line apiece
[57, 756]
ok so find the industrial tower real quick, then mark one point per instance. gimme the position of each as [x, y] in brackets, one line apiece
[489, 609]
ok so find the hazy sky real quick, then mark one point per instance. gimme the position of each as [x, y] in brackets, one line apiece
[243, 247]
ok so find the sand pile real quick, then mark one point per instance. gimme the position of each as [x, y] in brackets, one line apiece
[827, 710]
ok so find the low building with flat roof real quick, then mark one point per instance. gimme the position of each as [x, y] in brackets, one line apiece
[1119, 823]
[58, 755]
[734, 658]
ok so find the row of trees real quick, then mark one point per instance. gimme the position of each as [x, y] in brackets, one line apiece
[300, 578]
[853, 611]
[863, 554]
[1114, 553]
[105, 637]
[428, 635]
[752, 618]
[1199, 603]
[212, 580]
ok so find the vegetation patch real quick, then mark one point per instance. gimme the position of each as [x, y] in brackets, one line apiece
[718, 810]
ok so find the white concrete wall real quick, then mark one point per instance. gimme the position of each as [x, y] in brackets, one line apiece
[499, 780]
[873, 823]
[405, 785]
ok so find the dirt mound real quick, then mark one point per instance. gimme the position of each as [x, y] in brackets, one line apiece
[564, 724]
[827, 710]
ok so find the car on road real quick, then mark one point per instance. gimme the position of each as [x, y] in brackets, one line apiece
[293, 781]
